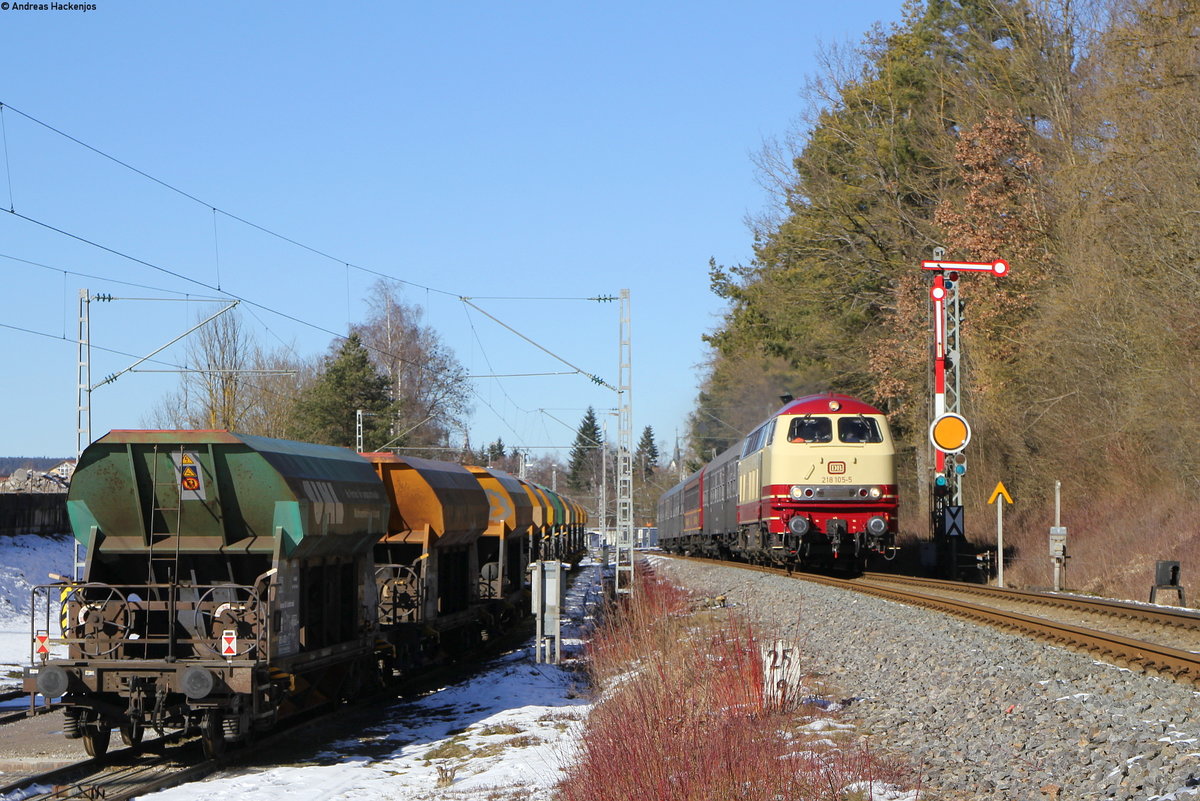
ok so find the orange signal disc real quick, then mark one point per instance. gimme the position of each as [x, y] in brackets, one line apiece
[950, 433]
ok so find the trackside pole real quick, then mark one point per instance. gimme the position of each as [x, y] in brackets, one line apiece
[949, 431]
[1000, 542]
[999, 496]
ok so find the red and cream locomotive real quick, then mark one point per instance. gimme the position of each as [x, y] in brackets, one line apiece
[814, 485]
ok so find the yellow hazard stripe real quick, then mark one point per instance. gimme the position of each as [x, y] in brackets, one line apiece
[66, 591]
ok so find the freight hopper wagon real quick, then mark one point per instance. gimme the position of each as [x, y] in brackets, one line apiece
[504, 549]
[451, 569]
[428, 569]
[228, 583]
[563, 524]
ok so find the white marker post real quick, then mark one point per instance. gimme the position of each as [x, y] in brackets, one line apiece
[999, 496]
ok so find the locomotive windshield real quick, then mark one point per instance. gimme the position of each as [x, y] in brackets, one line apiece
[859, 429]
[855, 430]
[811, 429]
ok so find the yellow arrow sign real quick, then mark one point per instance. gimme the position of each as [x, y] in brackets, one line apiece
[1000, 492]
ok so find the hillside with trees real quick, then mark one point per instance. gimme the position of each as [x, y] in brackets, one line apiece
[1062, 137]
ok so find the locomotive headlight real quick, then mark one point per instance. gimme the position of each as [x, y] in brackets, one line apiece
[797, 492]
[876, 492]
[877, 525]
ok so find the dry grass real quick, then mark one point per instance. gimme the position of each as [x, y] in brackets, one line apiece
[1115, 533]
[685, 714]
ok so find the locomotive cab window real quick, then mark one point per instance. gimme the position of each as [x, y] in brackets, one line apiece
[810, 429]
[760, 437]
[859, 430]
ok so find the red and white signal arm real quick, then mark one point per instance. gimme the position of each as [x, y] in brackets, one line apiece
[950, 433]
[228, 642]
[997, 267]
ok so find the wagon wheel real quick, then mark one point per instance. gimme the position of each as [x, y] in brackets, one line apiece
[95, 738]
[101, 624]
[132, 731]
[212, 735]
[241, 616]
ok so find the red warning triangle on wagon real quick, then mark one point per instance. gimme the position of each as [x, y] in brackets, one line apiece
[228, 643]
[42, 641]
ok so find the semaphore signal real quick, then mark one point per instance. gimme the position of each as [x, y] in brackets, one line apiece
[949, 431]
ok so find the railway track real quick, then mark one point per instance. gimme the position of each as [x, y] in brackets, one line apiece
[176, 759]
[171, 760]
[13, 715]
[153, 765]
[1153, 639]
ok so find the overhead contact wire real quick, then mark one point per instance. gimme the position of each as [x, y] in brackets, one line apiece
[198, 282]
[7, 168]
[545, 350]
[216, 209]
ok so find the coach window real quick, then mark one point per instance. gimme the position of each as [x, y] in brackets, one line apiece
[810, 429]
[859, 429]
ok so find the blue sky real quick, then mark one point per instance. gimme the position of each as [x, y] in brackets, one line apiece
[473, 149]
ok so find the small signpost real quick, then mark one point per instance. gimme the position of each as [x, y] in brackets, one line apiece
[1058, 538]
[999, 496]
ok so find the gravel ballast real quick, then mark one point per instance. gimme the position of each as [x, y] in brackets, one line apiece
[981, 714]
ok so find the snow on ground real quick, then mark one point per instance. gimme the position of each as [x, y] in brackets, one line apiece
[25, 562]
[505, 734]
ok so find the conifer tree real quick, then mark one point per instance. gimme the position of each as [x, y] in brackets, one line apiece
[645, 457]
[326, 412]
[583, 473]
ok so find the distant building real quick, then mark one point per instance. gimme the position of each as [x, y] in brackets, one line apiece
[64, 470]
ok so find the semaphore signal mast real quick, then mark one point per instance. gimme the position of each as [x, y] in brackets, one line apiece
[949, 431]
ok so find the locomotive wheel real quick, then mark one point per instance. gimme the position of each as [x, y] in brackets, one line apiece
[212, 735]
[95, 739]
[132, 731]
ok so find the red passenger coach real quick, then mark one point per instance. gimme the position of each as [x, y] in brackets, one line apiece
[814, 484]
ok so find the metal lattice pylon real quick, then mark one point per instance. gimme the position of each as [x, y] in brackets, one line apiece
[625, 455]
[953, 375]
[83, 403]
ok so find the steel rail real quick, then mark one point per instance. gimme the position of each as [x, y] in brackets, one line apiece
[13, 715]
[1149, 657]
[1182, 618]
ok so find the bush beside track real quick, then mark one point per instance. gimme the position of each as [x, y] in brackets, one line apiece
[685, 713]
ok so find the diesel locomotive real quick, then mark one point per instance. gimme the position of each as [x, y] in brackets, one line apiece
[231, 581]
[814, 486]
